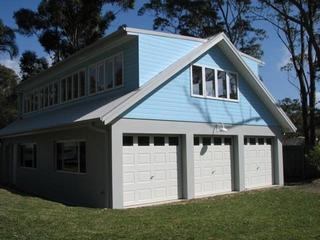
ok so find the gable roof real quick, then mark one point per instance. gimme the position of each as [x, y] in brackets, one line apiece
[108, 110]
[173, 69]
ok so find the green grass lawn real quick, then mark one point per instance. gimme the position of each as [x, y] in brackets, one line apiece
[286, 213]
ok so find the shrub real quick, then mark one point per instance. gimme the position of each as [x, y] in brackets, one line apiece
[314, 156]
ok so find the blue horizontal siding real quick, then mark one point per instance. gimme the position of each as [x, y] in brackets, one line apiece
[253, 65]
[157, 53]
[173, 101]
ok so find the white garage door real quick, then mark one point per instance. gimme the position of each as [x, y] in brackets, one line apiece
[258, 161]
[212, 165]
[150, 169]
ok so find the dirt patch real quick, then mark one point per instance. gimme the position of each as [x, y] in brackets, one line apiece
[313, 186]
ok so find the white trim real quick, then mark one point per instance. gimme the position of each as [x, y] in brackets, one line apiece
[77, 142]
[162, 34]
[204, 87]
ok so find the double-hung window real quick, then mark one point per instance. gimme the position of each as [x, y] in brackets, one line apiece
[28, 155]
[214, 83]
[92, 79]
[71, 156]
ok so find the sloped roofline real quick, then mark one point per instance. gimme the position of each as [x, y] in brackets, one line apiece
[174, 68]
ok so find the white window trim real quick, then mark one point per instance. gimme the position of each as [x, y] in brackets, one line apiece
[216, 69]
[56, 156]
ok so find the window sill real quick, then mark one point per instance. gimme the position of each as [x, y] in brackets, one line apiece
[215, 98]
[73, 173]
[28, 168]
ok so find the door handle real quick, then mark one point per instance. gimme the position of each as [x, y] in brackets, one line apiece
[258, 168]
[213, 172]
[151, 177]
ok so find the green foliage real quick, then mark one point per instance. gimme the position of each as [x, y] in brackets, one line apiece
[8, 41]
[206, 18]
[31, 64]
[65, 26]
[292, 107]
[314, 156]
[8, 97]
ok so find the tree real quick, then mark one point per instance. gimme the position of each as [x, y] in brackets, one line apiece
[8, 40]
[8, 96]
[292, 107]
[208, 17]
[65, 26]
[31, 64]
[303, 60]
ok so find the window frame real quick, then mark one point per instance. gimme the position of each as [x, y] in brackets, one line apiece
[56, 157]
[34, 155]
[204, 86]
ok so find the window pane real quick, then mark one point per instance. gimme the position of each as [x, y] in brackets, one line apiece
[83, 164]
[227, 141]
[41, 98]
[27, 155]
[173, 141]
[36, 100]
[268, 141]
[92, 79]
[158, 141]
[206, 141]
[70, 157]
[210, 83]
[196, 141]
[100, 83]
[222, 84]
[197, 80]
[75, 86]
[50, 94]
[109, 74]
[31, 102]
[82, 83]
[127, 140]
[69, 88]
[46, 96]
[118, 70]
[233, 86]
[63, 90]
[55, 93]
[252, 141]
[245, 141]
[143, 141]
[217, 140]
[261, 141]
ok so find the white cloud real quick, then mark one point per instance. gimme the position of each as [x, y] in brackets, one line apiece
[284, 58]
[13, 64]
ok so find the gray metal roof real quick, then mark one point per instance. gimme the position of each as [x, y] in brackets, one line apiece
[76, 113]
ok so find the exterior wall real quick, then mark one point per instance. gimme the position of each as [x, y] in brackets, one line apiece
[130, 58]
[187, 130]
[88, 189]
[156, 53]
[173, 101]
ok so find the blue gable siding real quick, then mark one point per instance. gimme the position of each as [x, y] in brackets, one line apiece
[254, 66]
[173, 101]
[157, 53]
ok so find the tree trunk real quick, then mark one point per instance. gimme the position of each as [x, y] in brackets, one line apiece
[312, 95]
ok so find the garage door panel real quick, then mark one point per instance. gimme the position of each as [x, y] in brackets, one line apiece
[151, 175]
[212, 167]
[258, 163]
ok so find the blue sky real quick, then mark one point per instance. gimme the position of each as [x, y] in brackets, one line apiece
[275, 54]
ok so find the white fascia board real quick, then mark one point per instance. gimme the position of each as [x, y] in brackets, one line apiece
[162, 34]
[266, 95]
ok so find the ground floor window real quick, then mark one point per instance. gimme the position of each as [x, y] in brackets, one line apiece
[71, 156]
[28, 155]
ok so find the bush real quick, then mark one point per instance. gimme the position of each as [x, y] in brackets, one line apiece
[314, 156]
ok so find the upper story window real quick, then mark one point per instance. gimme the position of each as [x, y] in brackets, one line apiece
[104, 75]
[28, 155]
[213, 83]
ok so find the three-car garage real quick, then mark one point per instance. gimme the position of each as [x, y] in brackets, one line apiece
[153, 166]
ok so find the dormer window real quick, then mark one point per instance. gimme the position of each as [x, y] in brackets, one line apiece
[214, 83]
